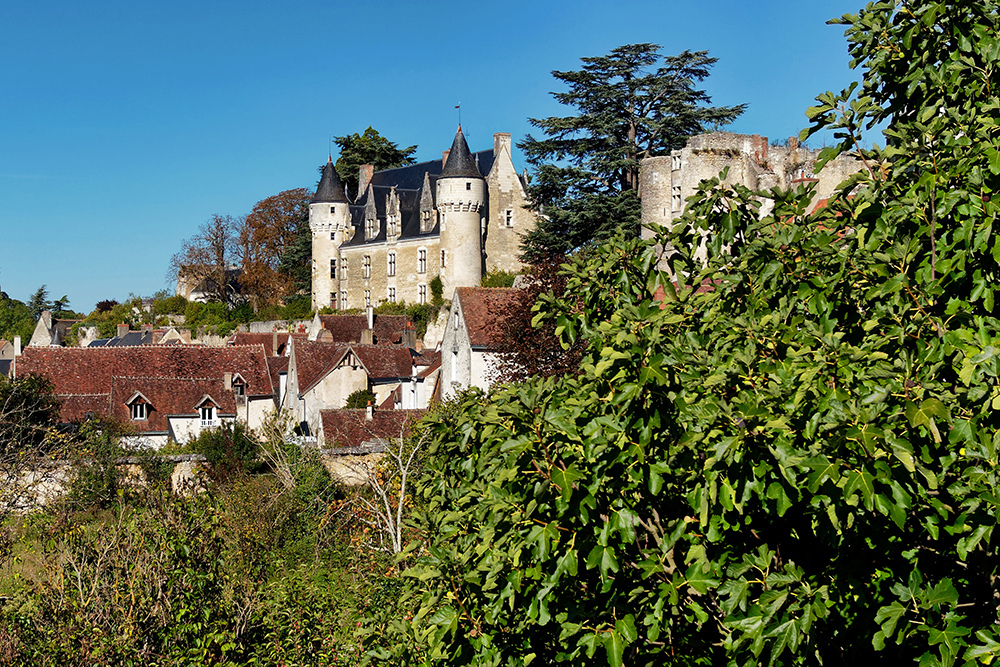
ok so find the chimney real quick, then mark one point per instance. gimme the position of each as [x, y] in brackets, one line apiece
[185, 335]
[370, 312]
[274, 343]
[444, 159]
[17, 346]
[365, 173]
[122, 329]
[369, 411]
[157, 336]
[147, 328]
[500, 140]
[409, 336]
[227, 382]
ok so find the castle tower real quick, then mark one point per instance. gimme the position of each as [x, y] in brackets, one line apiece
[461, 195]
[328, 220]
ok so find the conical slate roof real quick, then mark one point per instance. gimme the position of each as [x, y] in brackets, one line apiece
[460, 162]
[330, 190]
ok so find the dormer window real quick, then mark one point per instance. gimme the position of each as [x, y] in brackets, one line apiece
[139, 411]
[207, 415]
[239, 386]
[138, 407]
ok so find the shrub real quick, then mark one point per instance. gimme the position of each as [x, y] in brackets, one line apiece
[229, 449]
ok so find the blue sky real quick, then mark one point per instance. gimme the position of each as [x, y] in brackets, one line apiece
[124, 125]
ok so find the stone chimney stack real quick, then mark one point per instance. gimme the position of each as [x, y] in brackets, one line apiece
[157, 336]
[500, 140]
[122, 330]
[274, 343]
[227, 381]
[444, 158]
[365, 173]
[369, 412]
[17, 346]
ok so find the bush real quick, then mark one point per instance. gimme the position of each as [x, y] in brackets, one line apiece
[360, 399]
[230, 450]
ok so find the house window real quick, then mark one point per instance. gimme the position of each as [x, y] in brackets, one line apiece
[366, 266]
[508, 217]
[392, 294]
[422, 261]
[207, 415]
[421, 293]
[443, 257]
[333, 268]
[392, 264]
[239, 389]
[343, 268]
[139, 410]
[368, 298]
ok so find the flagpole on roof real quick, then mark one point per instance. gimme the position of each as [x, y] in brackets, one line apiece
[459, 107]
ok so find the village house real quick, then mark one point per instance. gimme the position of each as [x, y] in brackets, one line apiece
[163, 393]
[469, 356]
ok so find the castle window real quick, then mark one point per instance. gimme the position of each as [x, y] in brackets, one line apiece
[333, 268]
[368, 298]
[468, 185]
[343, 268]
[333, 236]
[366, 266]
[391, 270]
[676, 199]
[392, 294]
[422, 262]
[508, 217]
[343, 299]
[333, 210]
[139, 411]
[425, 221]
[333, 300]
[421, 293]
[444, 255]
[675, 162]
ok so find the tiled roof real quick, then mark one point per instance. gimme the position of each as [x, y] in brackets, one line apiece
[168, 397]
[314, 359]
[385, 362]
[350, 428]
[348, 328]
[480, 307]
[276, 366]
[265, 339]
[85, 378]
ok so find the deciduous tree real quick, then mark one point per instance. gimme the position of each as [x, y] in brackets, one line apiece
[271, 232]
[211, 257]
[630, 104]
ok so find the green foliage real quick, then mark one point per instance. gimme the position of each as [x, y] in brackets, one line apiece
[15, 320]
[360, 399]
[797, 466]
[98, 476]
[28, 412]
[498, 278]
[437, 292]
[172, 305]
[368, 148]
[231, 449]
[587, 167]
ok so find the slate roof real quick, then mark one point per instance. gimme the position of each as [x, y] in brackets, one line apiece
[460, 162]
[350, 428]
[330, 189]
[131, 339]
[5, 367]
[481, 307]
[97, 379]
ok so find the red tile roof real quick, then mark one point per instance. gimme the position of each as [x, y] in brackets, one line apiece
[314, 359]
[385, 362]
[100, 380]
[481, 306]
[388, 329]
[350, 428]
[265, 339]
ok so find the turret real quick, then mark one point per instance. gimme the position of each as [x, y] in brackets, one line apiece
[328, 221]
[461, 195]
